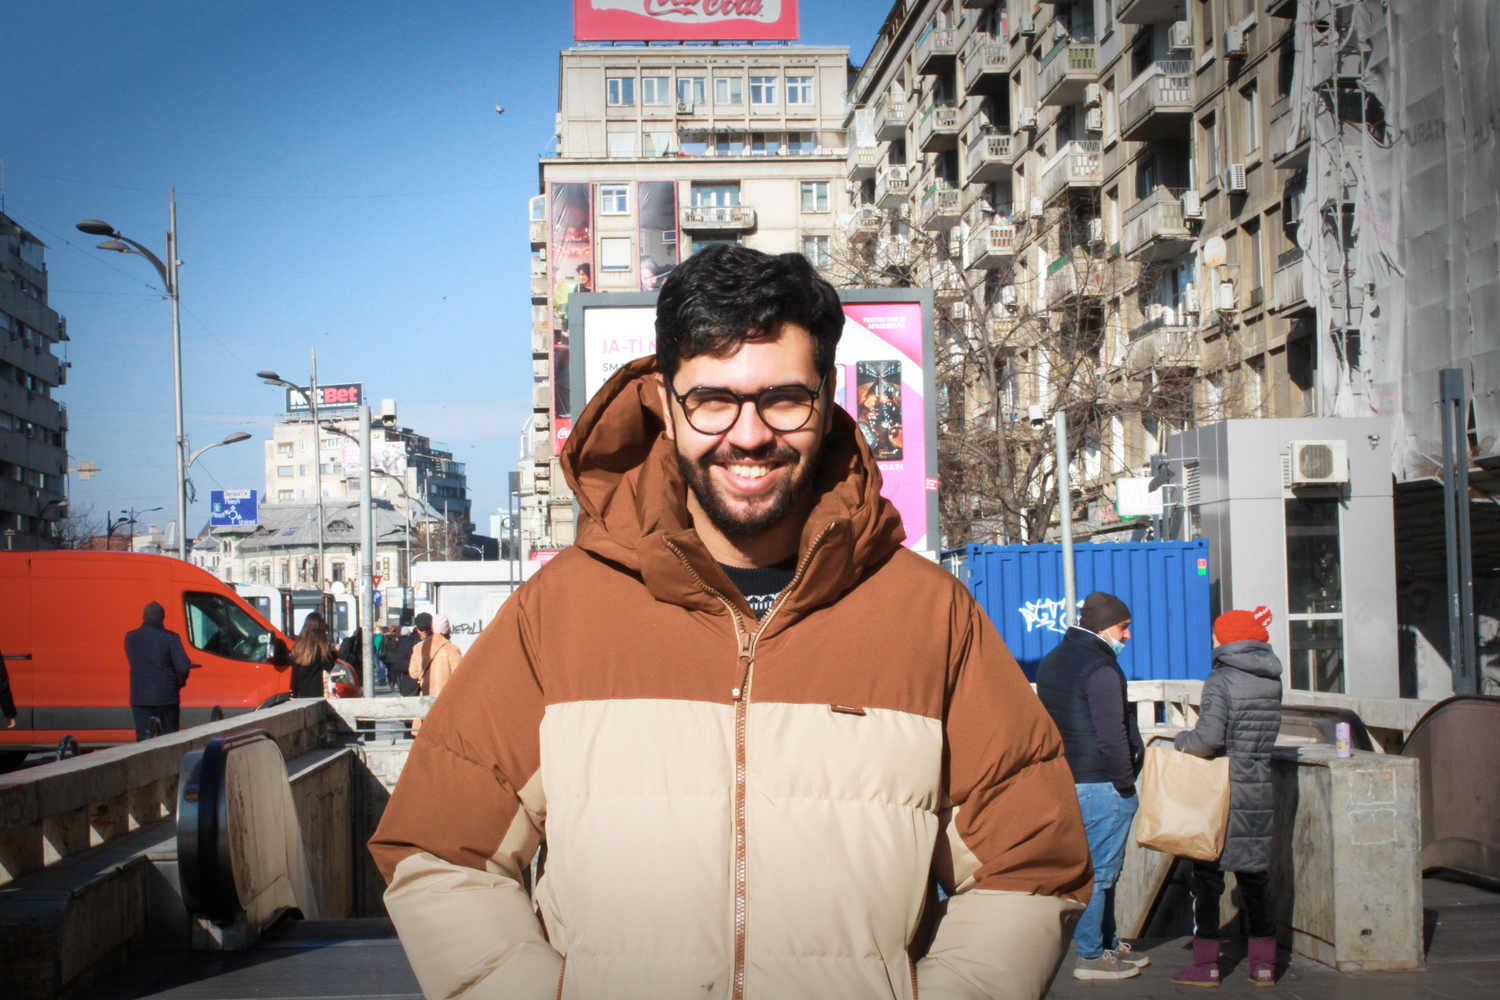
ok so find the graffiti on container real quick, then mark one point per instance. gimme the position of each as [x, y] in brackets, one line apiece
[468, 628]
[1045, 614]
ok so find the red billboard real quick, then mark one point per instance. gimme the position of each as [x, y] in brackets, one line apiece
[684, 20]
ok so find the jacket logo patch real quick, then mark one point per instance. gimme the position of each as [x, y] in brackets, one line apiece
[847, 709]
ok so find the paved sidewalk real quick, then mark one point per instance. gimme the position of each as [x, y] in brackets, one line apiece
[1463, 963]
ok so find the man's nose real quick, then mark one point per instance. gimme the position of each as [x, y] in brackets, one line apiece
[749, 432]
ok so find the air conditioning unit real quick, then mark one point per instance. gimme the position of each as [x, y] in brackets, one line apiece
[1008, 295]
[1028, 118]
[1059, 31]
[1234, 177]
[1093, 95]
[685, 107]
[1036, 208]
[1234, 41]
[1096, 230]
[1180, 35]
[1192, 205]
[1026, 24]
[1094, 120]
[1319, 463]
[1224, 296]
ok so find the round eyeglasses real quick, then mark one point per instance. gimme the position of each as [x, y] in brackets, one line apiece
[783, 408]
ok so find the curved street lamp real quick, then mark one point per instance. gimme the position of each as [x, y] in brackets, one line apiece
[310, 394]
[168, 270]
[234, 438]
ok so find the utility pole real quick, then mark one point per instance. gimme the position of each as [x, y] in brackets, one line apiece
[367, 555]
[172, 263]
[1065, 515]
[1463, 657]
[312, 401]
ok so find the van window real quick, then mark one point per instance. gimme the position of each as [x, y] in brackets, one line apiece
[219, 626]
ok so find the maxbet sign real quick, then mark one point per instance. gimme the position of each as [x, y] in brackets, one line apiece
[684, 20]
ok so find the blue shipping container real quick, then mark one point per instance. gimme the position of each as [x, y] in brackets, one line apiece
[1165, 585]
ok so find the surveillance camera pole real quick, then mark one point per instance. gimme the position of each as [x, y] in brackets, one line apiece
[367, 556]
[1065, 515]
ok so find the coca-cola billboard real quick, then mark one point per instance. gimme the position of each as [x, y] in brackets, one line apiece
[684, 20]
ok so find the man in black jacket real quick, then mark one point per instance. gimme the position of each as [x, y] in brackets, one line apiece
[1083, 688]
[158, 670]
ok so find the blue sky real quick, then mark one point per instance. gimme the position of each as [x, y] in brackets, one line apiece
[343, 183]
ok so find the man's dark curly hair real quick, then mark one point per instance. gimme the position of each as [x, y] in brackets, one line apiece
[723, 295]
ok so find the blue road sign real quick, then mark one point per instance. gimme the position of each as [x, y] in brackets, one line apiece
[232, 507]
[375, 597]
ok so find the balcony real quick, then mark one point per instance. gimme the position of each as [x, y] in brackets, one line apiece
[864, 225]
[992, 245]
[1150, 11]
[1154, 227]
[936, 51]
[1276, 8]
[862, 162]
[1289, 146]
[1077, 274]
[990, 155]
[892, 187]
[986, 63]
[1286, 283]
[538, 233]
[538, 288]
[717, 218]
[1066, 71]
[891, 118]
[937, 129]
[940, 208]
[1160, 344]
[1075, 165]
[1159, 104]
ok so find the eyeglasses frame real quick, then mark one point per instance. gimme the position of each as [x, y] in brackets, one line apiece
[741, 398]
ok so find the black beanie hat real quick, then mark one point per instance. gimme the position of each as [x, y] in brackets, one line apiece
[154, 614]
[423, 621]
[1101, 610]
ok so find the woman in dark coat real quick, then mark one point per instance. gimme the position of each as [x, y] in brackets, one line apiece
[1240, 715]
[312, 656]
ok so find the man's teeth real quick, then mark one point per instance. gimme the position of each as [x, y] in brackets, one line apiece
[750, 471]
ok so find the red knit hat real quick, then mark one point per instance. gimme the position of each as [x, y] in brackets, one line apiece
[1234, 626]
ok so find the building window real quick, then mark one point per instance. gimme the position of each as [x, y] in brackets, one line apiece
[729, 90]
[690, 90]
[614, 253]
[800, 143]
[814, 196]
[283, 470]
[332, 444]
[614, 199]
[656, 91]
[765, 143]
[799, 90]
[762, 90]
[715, 195]
[816, 250]
[620, 143]
[338, 571]
[1211, 147]
[286, 495]
[284, 448]
[729, 144]
[656, 143]
[1315, 594]
[1251, 97]
[699, 244]
[620, 91]
[301, 470]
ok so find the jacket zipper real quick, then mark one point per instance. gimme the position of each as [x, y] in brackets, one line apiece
[915, 994]
[741, 695]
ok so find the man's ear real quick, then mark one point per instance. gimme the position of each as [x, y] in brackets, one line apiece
[666, 405]
[828, 389]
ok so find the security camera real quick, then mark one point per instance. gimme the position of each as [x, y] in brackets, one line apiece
[1035, 414]
[388, 412]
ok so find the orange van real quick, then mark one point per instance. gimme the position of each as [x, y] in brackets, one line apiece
[63, 619]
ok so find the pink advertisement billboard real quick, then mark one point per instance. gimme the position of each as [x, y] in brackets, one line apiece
[571, 269]
[684, 20]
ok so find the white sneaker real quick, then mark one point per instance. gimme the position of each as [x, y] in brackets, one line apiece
[1131, 958]
[1106, 966]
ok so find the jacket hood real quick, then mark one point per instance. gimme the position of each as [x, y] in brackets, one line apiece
[1251, 656]
[623, 470]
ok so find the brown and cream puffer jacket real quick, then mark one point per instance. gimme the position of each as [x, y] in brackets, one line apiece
[733, 809]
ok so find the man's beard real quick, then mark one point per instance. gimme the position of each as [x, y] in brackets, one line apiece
[772, 509]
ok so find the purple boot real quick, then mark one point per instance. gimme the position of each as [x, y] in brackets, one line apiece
[1263, 961]
[1205, 968]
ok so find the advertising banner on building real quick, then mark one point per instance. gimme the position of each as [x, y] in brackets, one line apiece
[228, 508]
[387, 458]
[339, 396]
[571, 270]
[657, 236]
[883, 373]
[684, 20]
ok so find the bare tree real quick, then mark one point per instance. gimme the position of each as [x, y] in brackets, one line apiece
[79, 529]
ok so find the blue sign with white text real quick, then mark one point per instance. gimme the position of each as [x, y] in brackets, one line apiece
[228, 508]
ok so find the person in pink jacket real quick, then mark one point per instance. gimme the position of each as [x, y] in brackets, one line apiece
[435, 658]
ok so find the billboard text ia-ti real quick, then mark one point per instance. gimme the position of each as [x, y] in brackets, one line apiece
[684, 20]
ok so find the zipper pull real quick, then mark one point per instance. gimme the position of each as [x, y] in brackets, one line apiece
[745, 659]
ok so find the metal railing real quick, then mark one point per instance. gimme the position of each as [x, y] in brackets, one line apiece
[1156, 217]
[718, 216]
[1066, 59]
[940, 206]
[1167, 86]
[939, 44]
[1076, 164]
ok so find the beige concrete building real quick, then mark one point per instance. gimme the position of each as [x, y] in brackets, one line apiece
[661, 150]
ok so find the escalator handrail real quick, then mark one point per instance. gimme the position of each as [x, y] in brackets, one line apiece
[205, 862]
[1441, 707]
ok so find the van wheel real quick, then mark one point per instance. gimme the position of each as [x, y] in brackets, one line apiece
[11, 759]
[67, 747]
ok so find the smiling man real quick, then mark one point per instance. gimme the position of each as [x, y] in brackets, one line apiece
[754, 732]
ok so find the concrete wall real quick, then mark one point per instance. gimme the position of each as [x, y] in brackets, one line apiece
[1241, 512]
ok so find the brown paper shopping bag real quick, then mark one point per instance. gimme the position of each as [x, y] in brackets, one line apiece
[1184, 806]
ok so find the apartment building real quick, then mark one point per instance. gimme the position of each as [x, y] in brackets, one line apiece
[33, 425]
[660, 151]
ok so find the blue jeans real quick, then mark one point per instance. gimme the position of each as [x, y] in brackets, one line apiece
[1106, 821]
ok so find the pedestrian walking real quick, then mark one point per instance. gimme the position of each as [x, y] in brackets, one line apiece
[352, 652]
[411, 636]
[312, 658]
[738, 802]
[1239, 715]
[435, 658]
[1083, 688]
[158, 671]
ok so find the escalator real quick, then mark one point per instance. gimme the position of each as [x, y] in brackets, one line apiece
[1457, 745]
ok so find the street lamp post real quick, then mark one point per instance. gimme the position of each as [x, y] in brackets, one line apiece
[311, 395]
[168, 272]
[367, 549]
